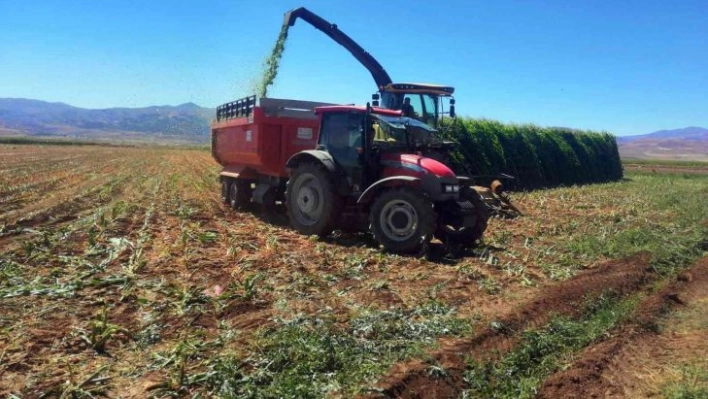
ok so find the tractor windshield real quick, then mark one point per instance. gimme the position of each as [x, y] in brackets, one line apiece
[423, 107]
[403, 132]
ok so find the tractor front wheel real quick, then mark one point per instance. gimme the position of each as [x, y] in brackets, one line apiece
[402, 220]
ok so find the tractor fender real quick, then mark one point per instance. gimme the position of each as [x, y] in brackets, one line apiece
[313, 156]
[325, 159]
[370, 192]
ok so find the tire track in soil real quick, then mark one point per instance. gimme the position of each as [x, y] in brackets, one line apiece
[603, 367]
[566, 298]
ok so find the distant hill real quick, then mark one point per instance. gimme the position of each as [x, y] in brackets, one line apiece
[689, 144]
[187, 122]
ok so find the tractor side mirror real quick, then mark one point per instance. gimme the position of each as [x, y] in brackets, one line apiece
[452, 108]
[375, 99]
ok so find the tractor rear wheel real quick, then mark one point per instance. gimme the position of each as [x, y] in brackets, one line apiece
[311, 201]
[240, 192]
[402, 220]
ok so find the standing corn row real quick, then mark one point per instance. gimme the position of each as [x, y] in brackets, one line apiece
[537, 156]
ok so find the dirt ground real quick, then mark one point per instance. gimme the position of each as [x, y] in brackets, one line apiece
[643, 353]
[121, 272]
[563, 298]
[659, 168]
[630, 364]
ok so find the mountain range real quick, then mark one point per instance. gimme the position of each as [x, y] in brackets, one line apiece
[687, 144]
[190, 123]
[185, 123]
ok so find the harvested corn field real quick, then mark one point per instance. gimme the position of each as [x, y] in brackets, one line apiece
[122, 274]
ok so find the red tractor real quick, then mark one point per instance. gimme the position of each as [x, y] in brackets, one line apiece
[353, 167]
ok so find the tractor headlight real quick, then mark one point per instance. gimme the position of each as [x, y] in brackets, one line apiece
[451, 188]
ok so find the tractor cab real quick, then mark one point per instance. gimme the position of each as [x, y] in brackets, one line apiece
[362, 141]
[347, 133]
[344, 129]
[371, 143]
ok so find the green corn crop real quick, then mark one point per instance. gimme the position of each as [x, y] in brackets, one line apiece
[536, 156]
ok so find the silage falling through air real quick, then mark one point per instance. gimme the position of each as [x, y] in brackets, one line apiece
[271, 64]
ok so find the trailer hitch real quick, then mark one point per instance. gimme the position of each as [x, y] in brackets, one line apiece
[498, 200]
[506, 207]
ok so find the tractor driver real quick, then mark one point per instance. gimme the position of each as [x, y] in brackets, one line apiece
[407, 108]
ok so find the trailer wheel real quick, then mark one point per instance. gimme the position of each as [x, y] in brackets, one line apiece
[402, 220]
[225, 188]
[452, 234]
[239, 193]
[311, 201]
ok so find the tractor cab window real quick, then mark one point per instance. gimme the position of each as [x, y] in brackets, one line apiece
[397, 133]
[412, 106]
[430, 109]
[422, 107]
[386, 134]
[341, 136]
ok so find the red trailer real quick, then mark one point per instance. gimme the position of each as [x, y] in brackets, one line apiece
[253, 139]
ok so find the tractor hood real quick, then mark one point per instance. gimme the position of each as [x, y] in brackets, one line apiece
[413, 165]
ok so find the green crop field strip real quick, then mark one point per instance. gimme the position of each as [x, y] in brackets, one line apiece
[536, 156]
[123, 274]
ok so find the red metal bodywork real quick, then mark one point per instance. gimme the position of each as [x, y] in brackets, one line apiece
[261, 144]
[412, 165]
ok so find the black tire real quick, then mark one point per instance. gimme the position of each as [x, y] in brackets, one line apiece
[311, 201]
[269, 205]
[402, 220]
[452, 234]
[225, 187]
[239, 193]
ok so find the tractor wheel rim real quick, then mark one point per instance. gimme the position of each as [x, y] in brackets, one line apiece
[399, 220]
[308, 200]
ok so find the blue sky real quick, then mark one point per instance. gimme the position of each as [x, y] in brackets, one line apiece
[627, 67]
